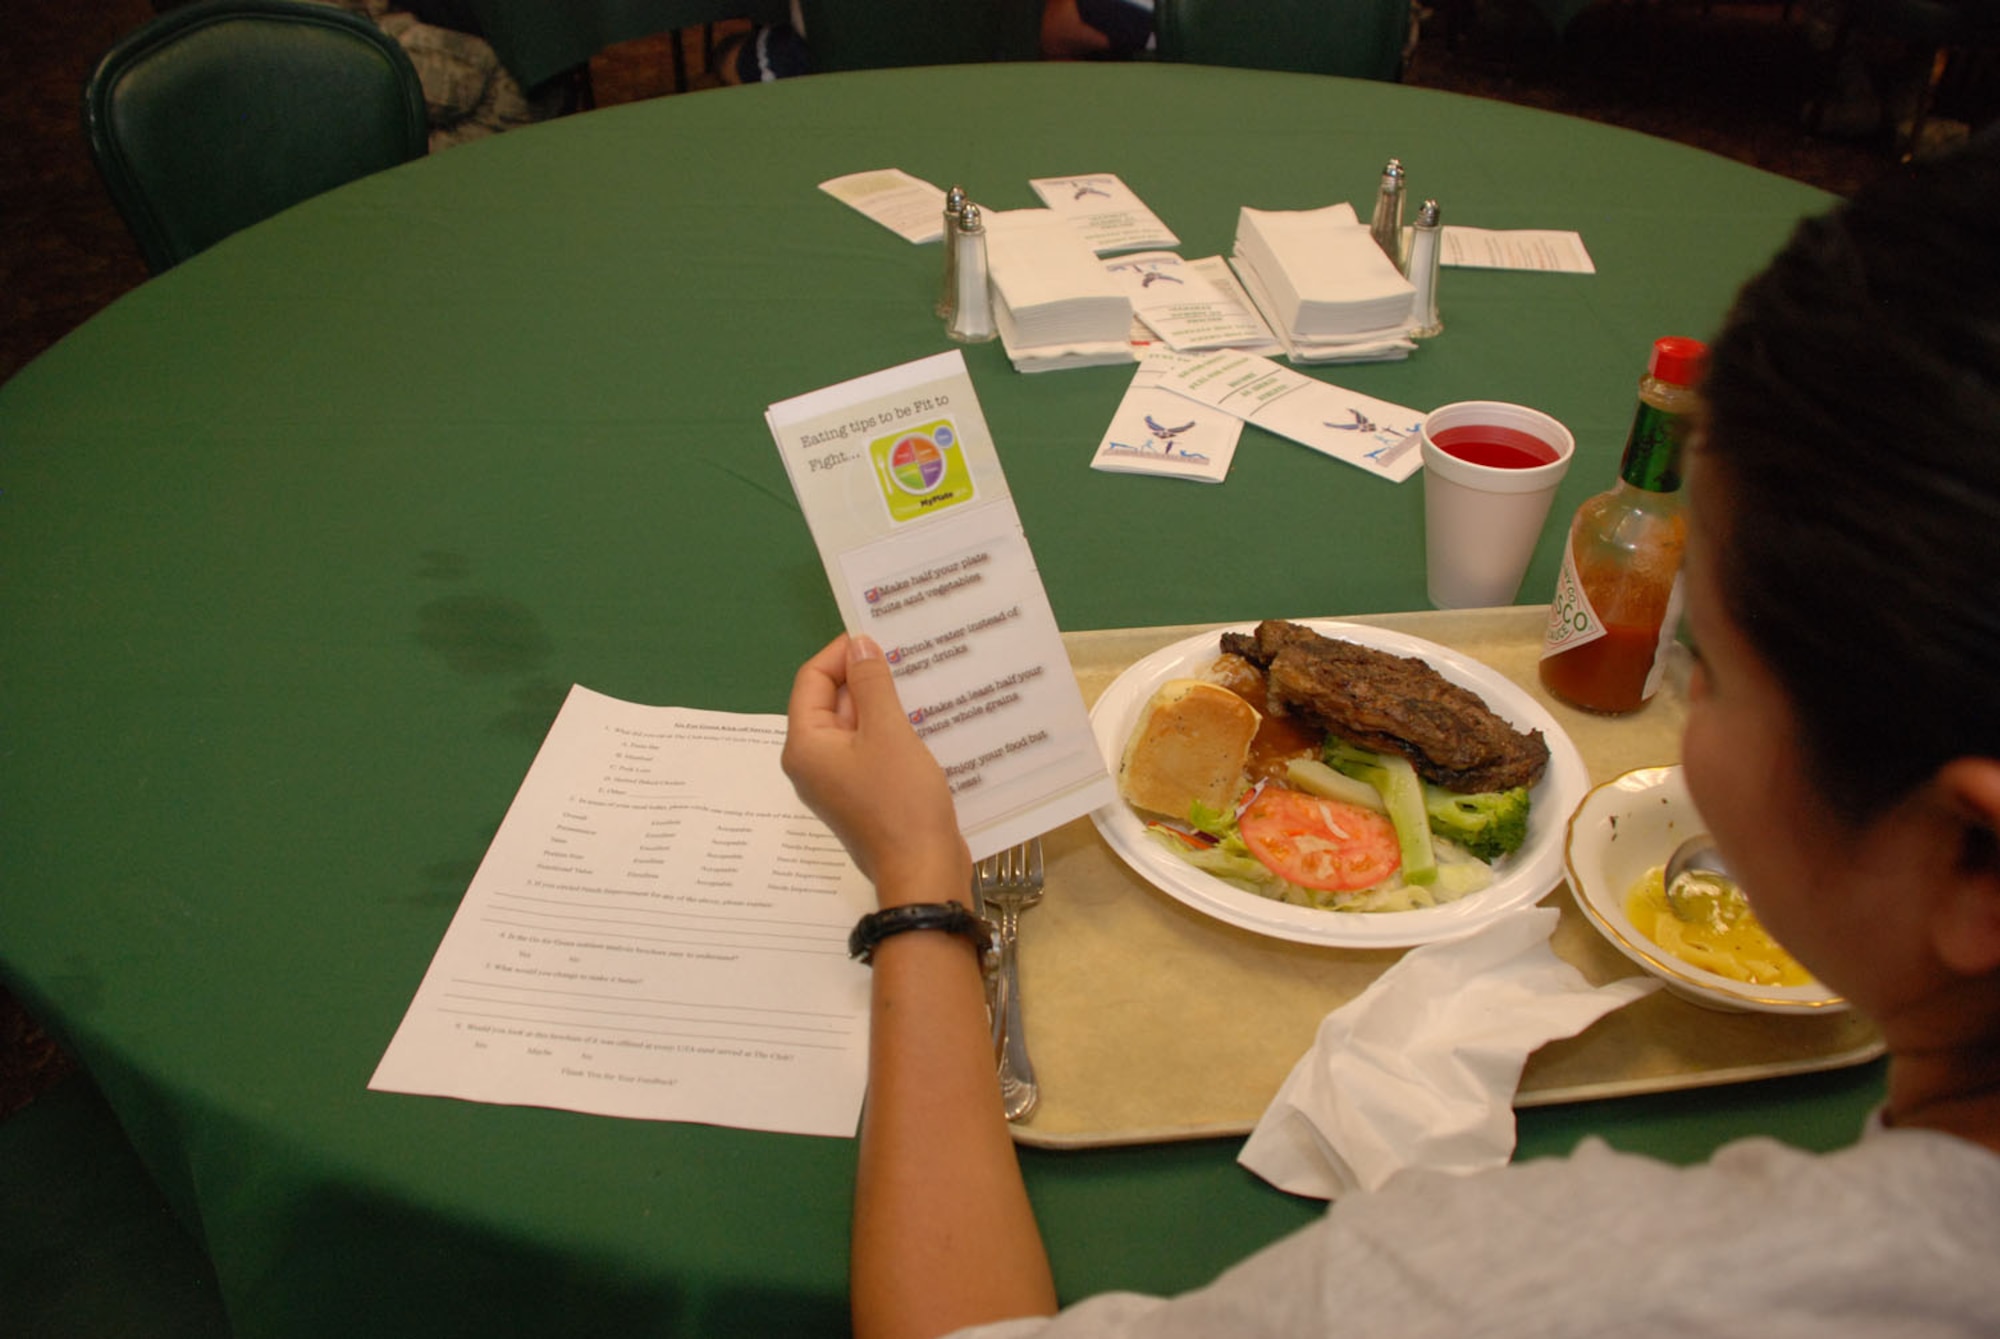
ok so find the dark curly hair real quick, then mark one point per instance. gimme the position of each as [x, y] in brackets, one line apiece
[1853, 421]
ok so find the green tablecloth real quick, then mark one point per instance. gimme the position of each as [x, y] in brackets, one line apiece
[302, 542]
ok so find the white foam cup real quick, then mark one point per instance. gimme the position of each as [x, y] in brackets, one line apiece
[1481, 521]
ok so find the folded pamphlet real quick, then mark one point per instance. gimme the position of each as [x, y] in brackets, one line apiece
[1368, 433]
[1191, 305]
[1105, 212]
[1157, 431]
[908, 206]
[900, 482]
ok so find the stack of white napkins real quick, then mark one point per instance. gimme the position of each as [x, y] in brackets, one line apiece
[1054, 303]
[1323, 283]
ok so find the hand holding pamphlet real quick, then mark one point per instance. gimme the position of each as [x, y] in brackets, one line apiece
[900, 482]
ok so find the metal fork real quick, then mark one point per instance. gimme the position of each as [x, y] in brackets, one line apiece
[1009, 883]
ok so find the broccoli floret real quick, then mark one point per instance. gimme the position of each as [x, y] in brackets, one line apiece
[1402, 792]
[1490, 824]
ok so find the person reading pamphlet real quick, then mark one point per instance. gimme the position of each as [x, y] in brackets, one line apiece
[1843, 742]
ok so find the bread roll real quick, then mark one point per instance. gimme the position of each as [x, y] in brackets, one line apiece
[1190, 745]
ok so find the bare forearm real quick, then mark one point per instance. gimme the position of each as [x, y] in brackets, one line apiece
[943, 1233]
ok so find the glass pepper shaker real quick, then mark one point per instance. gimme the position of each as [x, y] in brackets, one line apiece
[954, 204]
[1426, 251]
[972, 312]
[1387, 224]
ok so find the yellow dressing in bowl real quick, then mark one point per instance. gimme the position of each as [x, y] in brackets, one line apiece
[1724, 937]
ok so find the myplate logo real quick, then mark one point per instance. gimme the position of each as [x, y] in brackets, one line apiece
[921, 470]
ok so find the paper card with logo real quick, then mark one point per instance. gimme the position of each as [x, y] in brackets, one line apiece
[900, 483]
[1182, 303]
[1105, 211]
[1156, 431]
[1377, 436]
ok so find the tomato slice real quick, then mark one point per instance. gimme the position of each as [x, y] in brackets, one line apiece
[1320, 843]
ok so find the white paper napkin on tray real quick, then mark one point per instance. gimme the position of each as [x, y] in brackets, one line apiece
[1420, 1069]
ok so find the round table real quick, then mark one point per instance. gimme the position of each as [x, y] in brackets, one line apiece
[304, 540]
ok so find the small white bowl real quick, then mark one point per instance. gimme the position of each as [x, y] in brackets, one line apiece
[1624, 828]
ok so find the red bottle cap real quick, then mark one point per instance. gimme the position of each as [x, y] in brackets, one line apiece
[1677, 360]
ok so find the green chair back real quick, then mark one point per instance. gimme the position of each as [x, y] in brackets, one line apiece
[214, 116]
[876, 34]
[1362, 39]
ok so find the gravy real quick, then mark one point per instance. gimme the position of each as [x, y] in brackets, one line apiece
[1279, 739]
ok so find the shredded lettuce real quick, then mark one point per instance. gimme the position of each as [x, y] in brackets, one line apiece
[1217, 823]
[1227, 858]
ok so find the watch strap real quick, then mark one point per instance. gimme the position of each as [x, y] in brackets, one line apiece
[950, 917]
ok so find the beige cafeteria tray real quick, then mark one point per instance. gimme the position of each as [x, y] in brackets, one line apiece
[1150, 1022]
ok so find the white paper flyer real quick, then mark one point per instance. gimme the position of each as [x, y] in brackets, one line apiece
[1553, 250]
[908, 206]
[899, 480]
[658, 930]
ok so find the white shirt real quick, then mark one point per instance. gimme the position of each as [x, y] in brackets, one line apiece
[1896, 1236]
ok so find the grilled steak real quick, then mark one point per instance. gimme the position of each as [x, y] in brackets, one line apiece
[1391, 703]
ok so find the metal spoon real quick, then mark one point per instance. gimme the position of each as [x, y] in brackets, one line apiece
[1697, 855]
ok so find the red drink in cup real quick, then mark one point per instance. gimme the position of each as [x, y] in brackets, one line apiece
[1490, 472]
[1496, 447]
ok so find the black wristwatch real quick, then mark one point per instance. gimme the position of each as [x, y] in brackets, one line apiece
[951, 917]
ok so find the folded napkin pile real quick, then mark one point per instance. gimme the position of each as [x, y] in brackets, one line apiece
[1323, 284]
[1055, 304]
[1420, 1069]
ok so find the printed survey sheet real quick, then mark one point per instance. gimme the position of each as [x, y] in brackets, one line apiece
[658, 930]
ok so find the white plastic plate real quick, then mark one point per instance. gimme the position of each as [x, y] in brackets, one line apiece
[1522, 878]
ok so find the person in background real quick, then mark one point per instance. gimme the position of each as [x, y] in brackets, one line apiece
[765, 52]
[1071, 30]
[1096, 29]
[468, 93]
[1843, 739]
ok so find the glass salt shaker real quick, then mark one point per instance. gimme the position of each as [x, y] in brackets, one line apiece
[1387, 224]
[954, 204]
[1426, 254]
[972, 313]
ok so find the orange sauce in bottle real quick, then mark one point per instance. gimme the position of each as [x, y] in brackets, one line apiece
[1609, 675]
[1617, 599]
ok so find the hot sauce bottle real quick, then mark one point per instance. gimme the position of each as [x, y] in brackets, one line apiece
[1617, 603]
